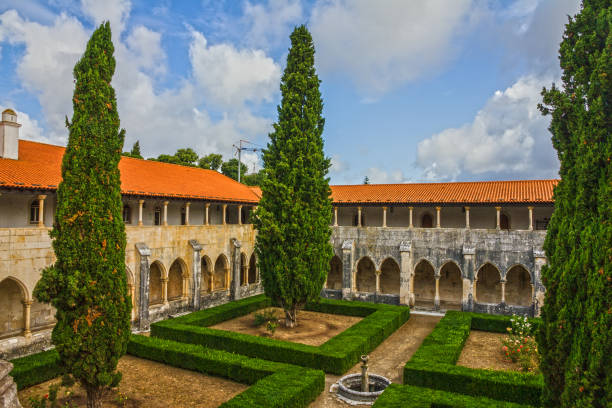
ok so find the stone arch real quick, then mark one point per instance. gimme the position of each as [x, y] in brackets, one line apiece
[206, 270]
[365, 277]
[390, 277]
[427, 220]
[487, 284]
[450, 286]
[156, 275]
[13, 294]
[243, 269]
[177, 277]
[519, 287]
[221, 272]
[424, 284]
[252, 274]
[334, 277]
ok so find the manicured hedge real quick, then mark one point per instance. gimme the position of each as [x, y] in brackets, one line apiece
[275, 384]
[36, 368]
[335, 356]
[433, 364]
[399, 396]
[496, 323]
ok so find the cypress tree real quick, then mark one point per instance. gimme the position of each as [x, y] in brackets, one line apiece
[575, 339]
[293, 216]
[87, 283]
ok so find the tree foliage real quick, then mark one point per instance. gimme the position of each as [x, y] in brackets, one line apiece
[135, 152]
[212, 161]
[293, 240]
[230, 168]
[575, 341]
[87, 283]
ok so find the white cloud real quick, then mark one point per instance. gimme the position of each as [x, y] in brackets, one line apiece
[146, 49]
[230, 77]
[508, 138]
[115, 11]
[269, 24]
[380, 176]
[380, 45]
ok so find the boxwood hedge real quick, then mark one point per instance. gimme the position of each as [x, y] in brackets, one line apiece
[274, 384]
[335, 356]
[399, 396]
[433, 364]
[36, 368]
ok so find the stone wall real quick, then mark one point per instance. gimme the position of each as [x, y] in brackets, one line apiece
[8, 388]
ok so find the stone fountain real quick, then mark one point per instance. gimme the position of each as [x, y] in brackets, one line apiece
[361, 388]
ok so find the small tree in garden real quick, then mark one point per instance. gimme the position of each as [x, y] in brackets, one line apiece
[293, 241]
[87, 283]
[575, 339]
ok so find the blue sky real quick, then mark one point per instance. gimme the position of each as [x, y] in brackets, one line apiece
[443, 90]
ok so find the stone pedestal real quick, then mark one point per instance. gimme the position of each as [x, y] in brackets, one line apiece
[8, 388]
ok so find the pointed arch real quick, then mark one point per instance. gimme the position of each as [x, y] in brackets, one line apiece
[424, 284]
[334, 277]
[519, 287]
[206, 270]
[390, 277]
[177, 276]
[13, 294]
[450, 286]
[487, 284]
[252, 278]
[365, 277]
[156, 274]
[243, 269]
[221, 273]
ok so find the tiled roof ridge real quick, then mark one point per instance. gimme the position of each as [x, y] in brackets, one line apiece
[423, 183]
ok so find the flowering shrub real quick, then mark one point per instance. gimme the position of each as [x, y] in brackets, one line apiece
[520, 345]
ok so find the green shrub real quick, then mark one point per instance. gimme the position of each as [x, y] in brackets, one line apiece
[399, 396]
[36, 368]
[265, 317]
[218, 314]
[497, 323]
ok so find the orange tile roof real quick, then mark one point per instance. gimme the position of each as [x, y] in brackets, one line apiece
[256, 190]
[477, 192]
[39, 167]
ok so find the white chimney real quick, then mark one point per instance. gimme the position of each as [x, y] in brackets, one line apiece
[9, 135]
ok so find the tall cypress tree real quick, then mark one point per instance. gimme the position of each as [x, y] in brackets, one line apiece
[575, 339]
[87, 283]
[293, 241]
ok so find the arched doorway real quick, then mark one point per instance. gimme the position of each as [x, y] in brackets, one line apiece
[221, 270]
[365, 279]
[426, 221]
[519, 291]
[450, 286]
[424, 284]
[488, 284]
[205, 266]
[390, 277]
[155, 284]
[12, 296]
[243, 269]
[334, 277]
[252, 269]
[176, 275]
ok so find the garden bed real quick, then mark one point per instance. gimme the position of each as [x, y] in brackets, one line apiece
[314, 328]
[483, 350]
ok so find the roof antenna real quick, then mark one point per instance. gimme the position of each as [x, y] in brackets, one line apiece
[240, 148]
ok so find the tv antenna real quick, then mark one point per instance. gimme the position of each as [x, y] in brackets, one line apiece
[240, 148]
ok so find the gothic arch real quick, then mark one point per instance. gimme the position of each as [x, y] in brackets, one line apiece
[206, 270]
[487, 284]
[519, 286]
[13, 294]
[177, 279]
[221, 273]
[334, 277]
[243, 269]
[156, 274]
[252, 274]
[390, 277]
[450, 285]
[365, 276]
[424, 283]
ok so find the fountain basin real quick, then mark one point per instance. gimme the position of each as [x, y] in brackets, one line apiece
[349, 388]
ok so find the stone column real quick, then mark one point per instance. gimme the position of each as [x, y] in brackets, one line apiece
[437, 295]
[539, 290]
[165, 221]
[27, 304]
[347, 269]
[384, 217]
[359, 216]
[469, 288]
[377, 273]
[503, 290]
[235, 265]
[140, 203]
[240, 215]
[410, 217]
[406, 274]
[335, 216]
[467, 217]
[224, 212]
[132, 292]
[498, 215]
[164, 282]
[207, 206]
[187, 205]
[8, 388]
[530, 208]
[196, 296]
[143, 305]
[41, 210]
[438, 216]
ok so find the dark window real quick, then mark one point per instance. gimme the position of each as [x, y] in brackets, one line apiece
[127, 214]
[426, 221]
[34, 212]
[504, 222]
[157, 216]
[183, 216]
[542, 224]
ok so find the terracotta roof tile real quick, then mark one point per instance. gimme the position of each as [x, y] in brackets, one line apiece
[39, 166]
[477, 192]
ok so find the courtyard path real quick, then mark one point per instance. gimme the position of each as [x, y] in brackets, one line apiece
[388, 359]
